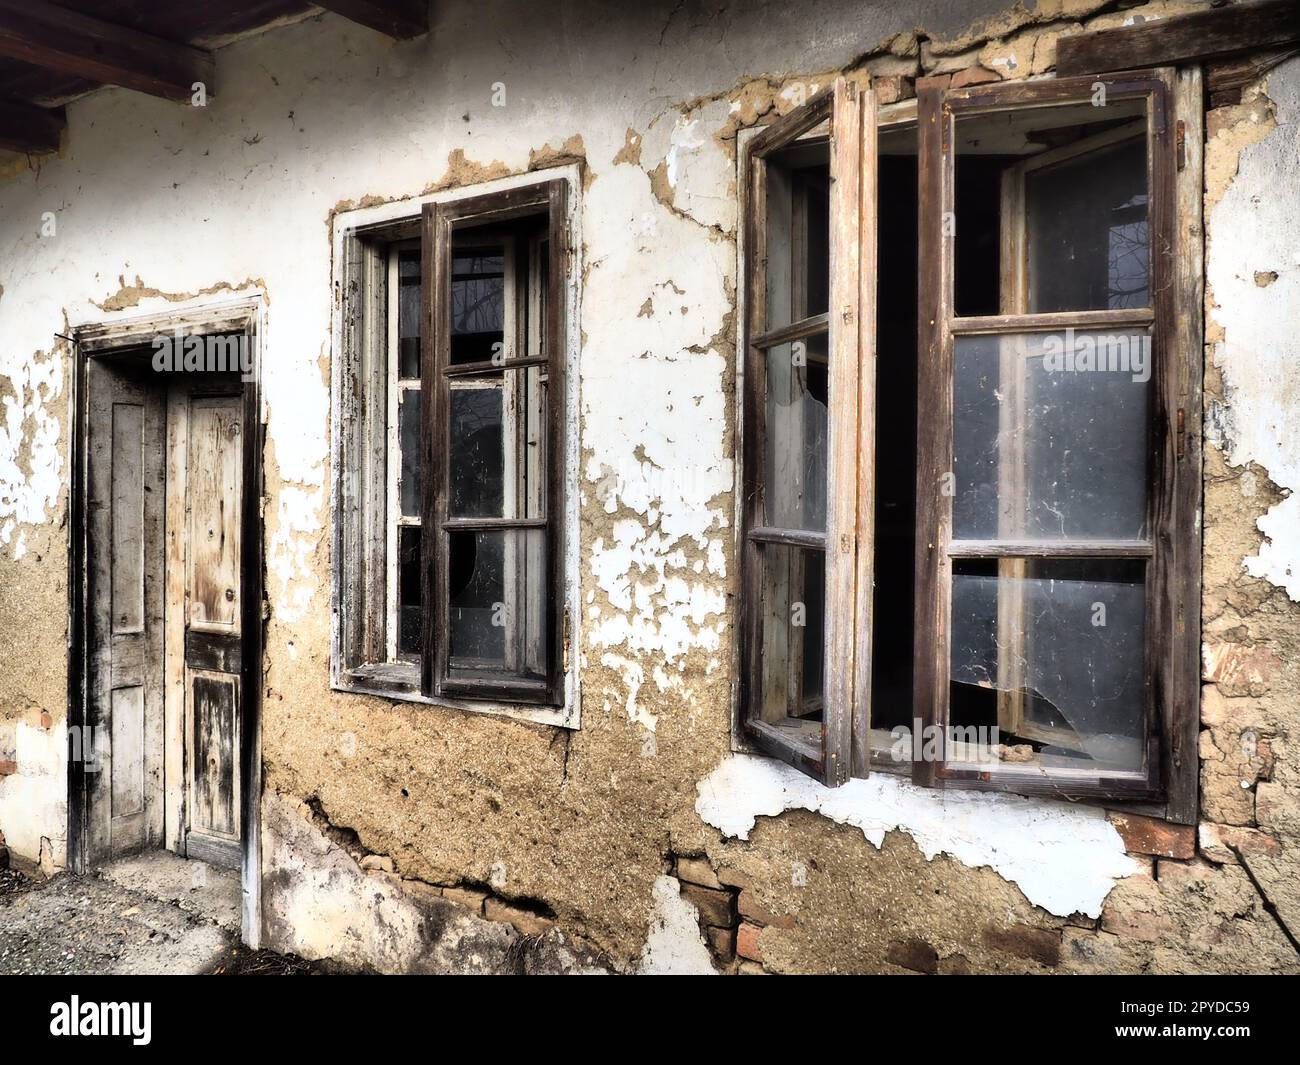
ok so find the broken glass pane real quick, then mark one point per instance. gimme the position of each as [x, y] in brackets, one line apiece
[497, 459]
[795, 478]
[475, 459]
[1050, 435]
[792, 621]
[1052, 653]
[410, 591]
[798, 233]
[497, 601]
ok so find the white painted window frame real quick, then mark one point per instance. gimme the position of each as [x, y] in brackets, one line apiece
[389, 224]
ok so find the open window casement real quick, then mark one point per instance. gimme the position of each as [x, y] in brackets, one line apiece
[808, 436]
[1049, 442]
[491, 509]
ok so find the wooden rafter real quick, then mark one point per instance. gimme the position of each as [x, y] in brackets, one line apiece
[69, 42]
[400, 19]
[1221, 31]
[24, 128]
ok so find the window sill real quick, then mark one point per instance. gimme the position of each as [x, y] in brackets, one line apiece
[400, 682]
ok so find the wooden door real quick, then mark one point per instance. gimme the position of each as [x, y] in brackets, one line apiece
[204, 506]
[123, 743]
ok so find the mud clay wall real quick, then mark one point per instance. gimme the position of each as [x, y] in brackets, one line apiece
[408, 837]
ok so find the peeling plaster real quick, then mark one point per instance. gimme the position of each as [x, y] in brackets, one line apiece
[1064, 858]
[33, 801]
[674, 946]
[1255, 232]
[31, 461]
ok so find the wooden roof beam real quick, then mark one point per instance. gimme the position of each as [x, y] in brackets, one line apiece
[399, 19]
[1203, 35]
[26, 128]
[56, 38]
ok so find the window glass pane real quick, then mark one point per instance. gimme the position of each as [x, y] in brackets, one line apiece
[1050, 435]
[1051, 209]
[410, 591]
[1051, 653]
[795, 477]
[478, 297]
[497, 457]
[1087, 230]
[498, 612]
[408, 314]
[798, 233]
[408, 432]
[791, 625]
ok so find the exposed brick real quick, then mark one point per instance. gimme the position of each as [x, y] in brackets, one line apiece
[527, 922]
[747, 941]
[891, 88]
[467, 897]
[421, 888]
[732, 877]
[714, 906]
[1239, 669]
[698, 871]
[956, 965]
[914, 954]
[1218, 843]
[751, 968]
[752, 911]
[1147, 835]
[8, 767]
[1136, 924]
[723, 942]
[1037, 944]
[973, 76]
[933, 81]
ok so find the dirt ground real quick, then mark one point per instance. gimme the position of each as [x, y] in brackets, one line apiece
[153, 913]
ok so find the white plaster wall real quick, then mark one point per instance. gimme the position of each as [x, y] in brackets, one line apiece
[1064, 858]
[34, 800]
[157, 205]
[1255, 232]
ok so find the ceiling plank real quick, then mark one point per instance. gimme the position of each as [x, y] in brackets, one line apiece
[1181, 38]
[24, 128]
[400, 19]
[66, 41]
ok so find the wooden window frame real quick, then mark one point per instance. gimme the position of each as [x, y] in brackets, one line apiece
[440, 222]
[848, 109]
[397, 387]
[360, 469]
[1168, 785]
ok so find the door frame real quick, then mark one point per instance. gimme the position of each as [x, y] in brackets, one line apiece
[104, 340]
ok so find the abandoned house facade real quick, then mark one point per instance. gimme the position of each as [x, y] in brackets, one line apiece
[673, 487]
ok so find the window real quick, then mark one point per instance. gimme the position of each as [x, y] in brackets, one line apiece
[455, 567]
[804, 353]
[1052, 484]
[1018, 447]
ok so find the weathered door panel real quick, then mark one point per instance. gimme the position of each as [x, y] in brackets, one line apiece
[205, 495]
[125, 473]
